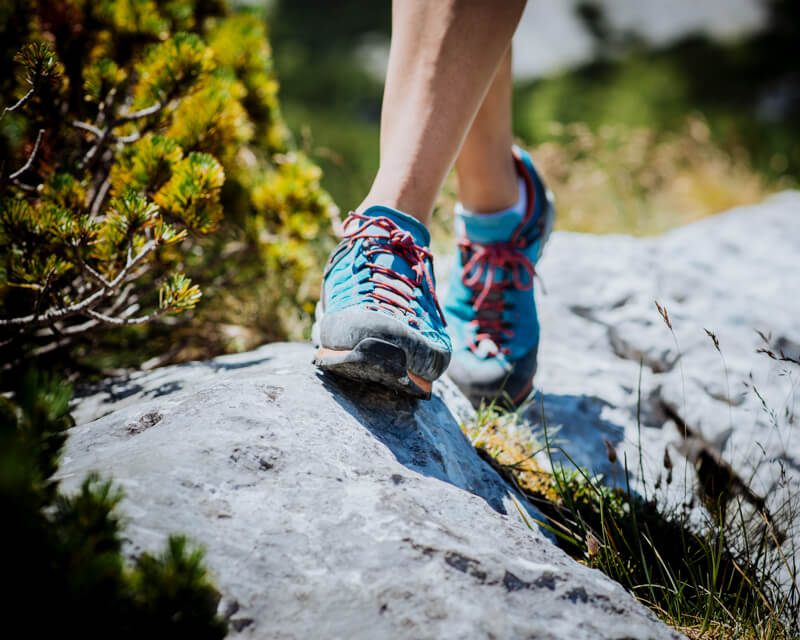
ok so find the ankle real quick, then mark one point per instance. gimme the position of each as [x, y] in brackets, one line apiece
[489, 188]
[406, 194]
[514, 211]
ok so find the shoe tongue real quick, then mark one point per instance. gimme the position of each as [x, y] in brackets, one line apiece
[484, 228]
[418, 230]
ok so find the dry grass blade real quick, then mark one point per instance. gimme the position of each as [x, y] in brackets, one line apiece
[713, 337]
[662, 310]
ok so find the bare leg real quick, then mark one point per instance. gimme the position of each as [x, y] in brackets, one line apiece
[443, 58]
[487, 178]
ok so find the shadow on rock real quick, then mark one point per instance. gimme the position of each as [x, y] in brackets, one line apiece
[113, 390]
[423, 436]
[576, 429]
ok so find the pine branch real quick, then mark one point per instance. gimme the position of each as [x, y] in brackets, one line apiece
[86, 305]
[122, 299]
[93, 274]
[97, 133]
[127, 322]
[99, 198]
[136, 135]
[64, 334]
[93, 153]
[31, 157]
[104, 134]
[138, 115]
[19, 103]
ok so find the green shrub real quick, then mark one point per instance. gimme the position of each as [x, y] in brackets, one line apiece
[148, 165]
[64, 552]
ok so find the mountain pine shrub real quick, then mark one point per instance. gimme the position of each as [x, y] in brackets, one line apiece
[145, 165]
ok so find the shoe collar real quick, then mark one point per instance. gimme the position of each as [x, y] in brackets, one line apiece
[504, 226]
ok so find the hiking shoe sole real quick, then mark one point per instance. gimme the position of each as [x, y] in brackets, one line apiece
[377, 361]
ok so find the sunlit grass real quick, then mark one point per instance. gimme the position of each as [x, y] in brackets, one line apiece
[718, 580]
[691, 579]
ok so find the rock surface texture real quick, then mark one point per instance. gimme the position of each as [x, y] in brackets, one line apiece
[328, 510]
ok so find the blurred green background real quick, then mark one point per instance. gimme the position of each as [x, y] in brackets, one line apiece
[637, 138]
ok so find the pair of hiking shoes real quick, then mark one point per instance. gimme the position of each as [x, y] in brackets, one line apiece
[379, 321]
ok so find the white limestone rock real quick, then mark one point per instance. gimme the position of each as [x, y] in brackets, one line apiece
[332, 511]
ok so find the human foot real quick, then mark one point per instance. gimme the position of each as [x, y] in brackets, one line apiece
[378, 319]
[489, 305]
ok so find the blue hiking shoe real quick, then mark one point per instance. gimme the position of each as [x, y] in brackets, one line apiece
[378, 319]
[489, 306]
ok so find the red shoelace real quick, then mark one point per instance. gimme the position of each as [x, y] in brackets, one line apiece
[397, 243]
[484, 260]
[479, 274]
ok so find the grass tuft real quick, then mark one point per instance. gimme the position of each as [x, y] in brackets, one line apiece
[698, 581]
